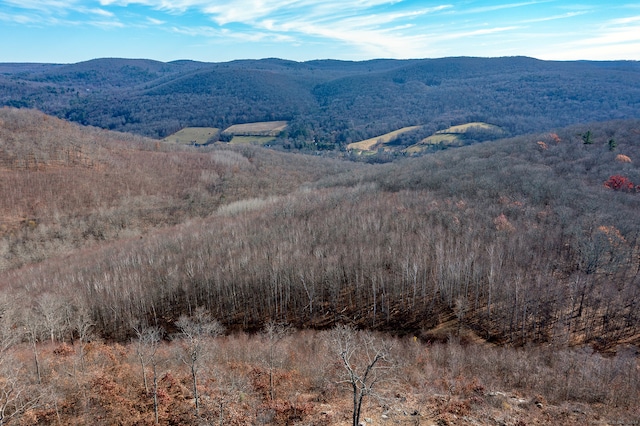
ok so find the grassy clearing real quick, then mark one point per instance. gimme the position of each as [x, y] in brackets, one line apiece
[464, 128]
[263, 128]
[369, 144]
[445, 138]
[192, 135]
[437, 139]
[450, 136]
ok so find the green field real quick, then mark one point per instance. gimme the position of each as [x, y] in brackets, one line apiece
[441, 138]
[379, 141]
[450, 136]
[192, 135]
[262, 128]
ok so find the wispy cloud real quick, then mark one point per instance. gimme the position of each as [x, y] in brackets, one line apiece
[17, 18]
[614, 38]
[625, 21]
[493, 8]
[106, 24]
[154, 21]
[42, 5]
[360, 28]
[553, 18]
[96, 11]
[374, 26]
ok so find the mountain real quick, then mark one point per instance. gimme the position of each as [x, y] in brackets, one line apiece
[329, 104]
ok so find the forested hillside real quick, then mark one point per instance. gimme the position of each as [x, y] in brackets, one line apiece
[124, 259]
[329, 104]
[527, 238]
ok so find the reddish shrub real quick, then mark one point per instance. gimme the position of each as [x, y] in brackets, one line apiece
[619, 183]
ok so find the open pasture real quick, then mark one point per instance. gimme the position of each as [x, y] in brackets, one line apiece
[262, 128]
[372, 143]
[192, 135]
[450, 136]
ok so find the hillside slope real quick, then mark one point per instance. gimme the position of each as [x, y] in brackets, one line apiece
[520, 238]
[499, 281]
[65, 187]
[328, 103]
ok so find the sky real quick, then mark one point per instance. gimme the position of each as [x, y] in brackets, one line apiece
[69, 31]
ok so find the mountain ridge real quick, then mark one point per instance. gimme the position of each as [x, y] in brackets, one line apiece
[328, 103]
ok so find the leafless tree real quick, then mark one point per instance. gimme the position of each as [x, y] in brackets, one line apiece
[81, 326]
[33, 327]
[274, 332]
[16, 395]
[366, 361]
[8, 331]
[146, 349]
[50, 308]
[195, 330]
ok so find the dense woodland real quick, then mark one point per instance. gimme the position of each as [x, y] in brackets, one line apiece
[328, 103]
[145, 282]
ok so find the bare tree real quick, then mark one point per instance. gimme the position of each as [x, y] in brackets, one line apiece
[50, 307]
[146, 349]
[8, 331]
[274, 332]
[16, 395]
[81, 326]
[195, 330]
[33, 327]
[365, 359]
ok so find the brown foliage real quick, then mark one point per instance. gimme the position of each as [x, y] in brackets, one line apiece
[483, 384]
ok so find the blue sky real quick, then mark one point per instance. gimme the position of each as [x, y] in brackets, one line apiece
[66, 31]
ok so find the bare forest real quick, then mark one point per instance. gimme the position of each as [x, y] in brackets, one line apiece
[151, 283]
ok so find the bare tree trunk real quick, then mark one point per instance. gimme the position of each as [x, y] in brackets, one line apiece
[362, 348]
[194, 378]
[155, 391]
[196, 329]
[37, 361]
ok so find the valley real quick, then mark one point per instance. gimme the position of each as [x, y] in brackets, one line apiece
[191, 243]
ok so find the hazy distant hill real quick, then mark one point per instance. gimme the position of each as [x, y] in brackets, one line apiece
[328, 103]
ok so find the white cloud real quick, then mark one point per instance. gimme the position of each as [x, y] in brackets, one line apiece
[554, 17]
[484, 9]
[42, 5]
[613, 39]
[99, 12]
[106, 24]
[475, 33]
[16, 18]
[624, 21]
[367, 24]
[360, 28]
[154, 21]
[627, 51]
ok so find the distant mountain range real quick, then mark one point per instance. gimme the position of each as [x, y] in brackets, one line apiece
[328, 104]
